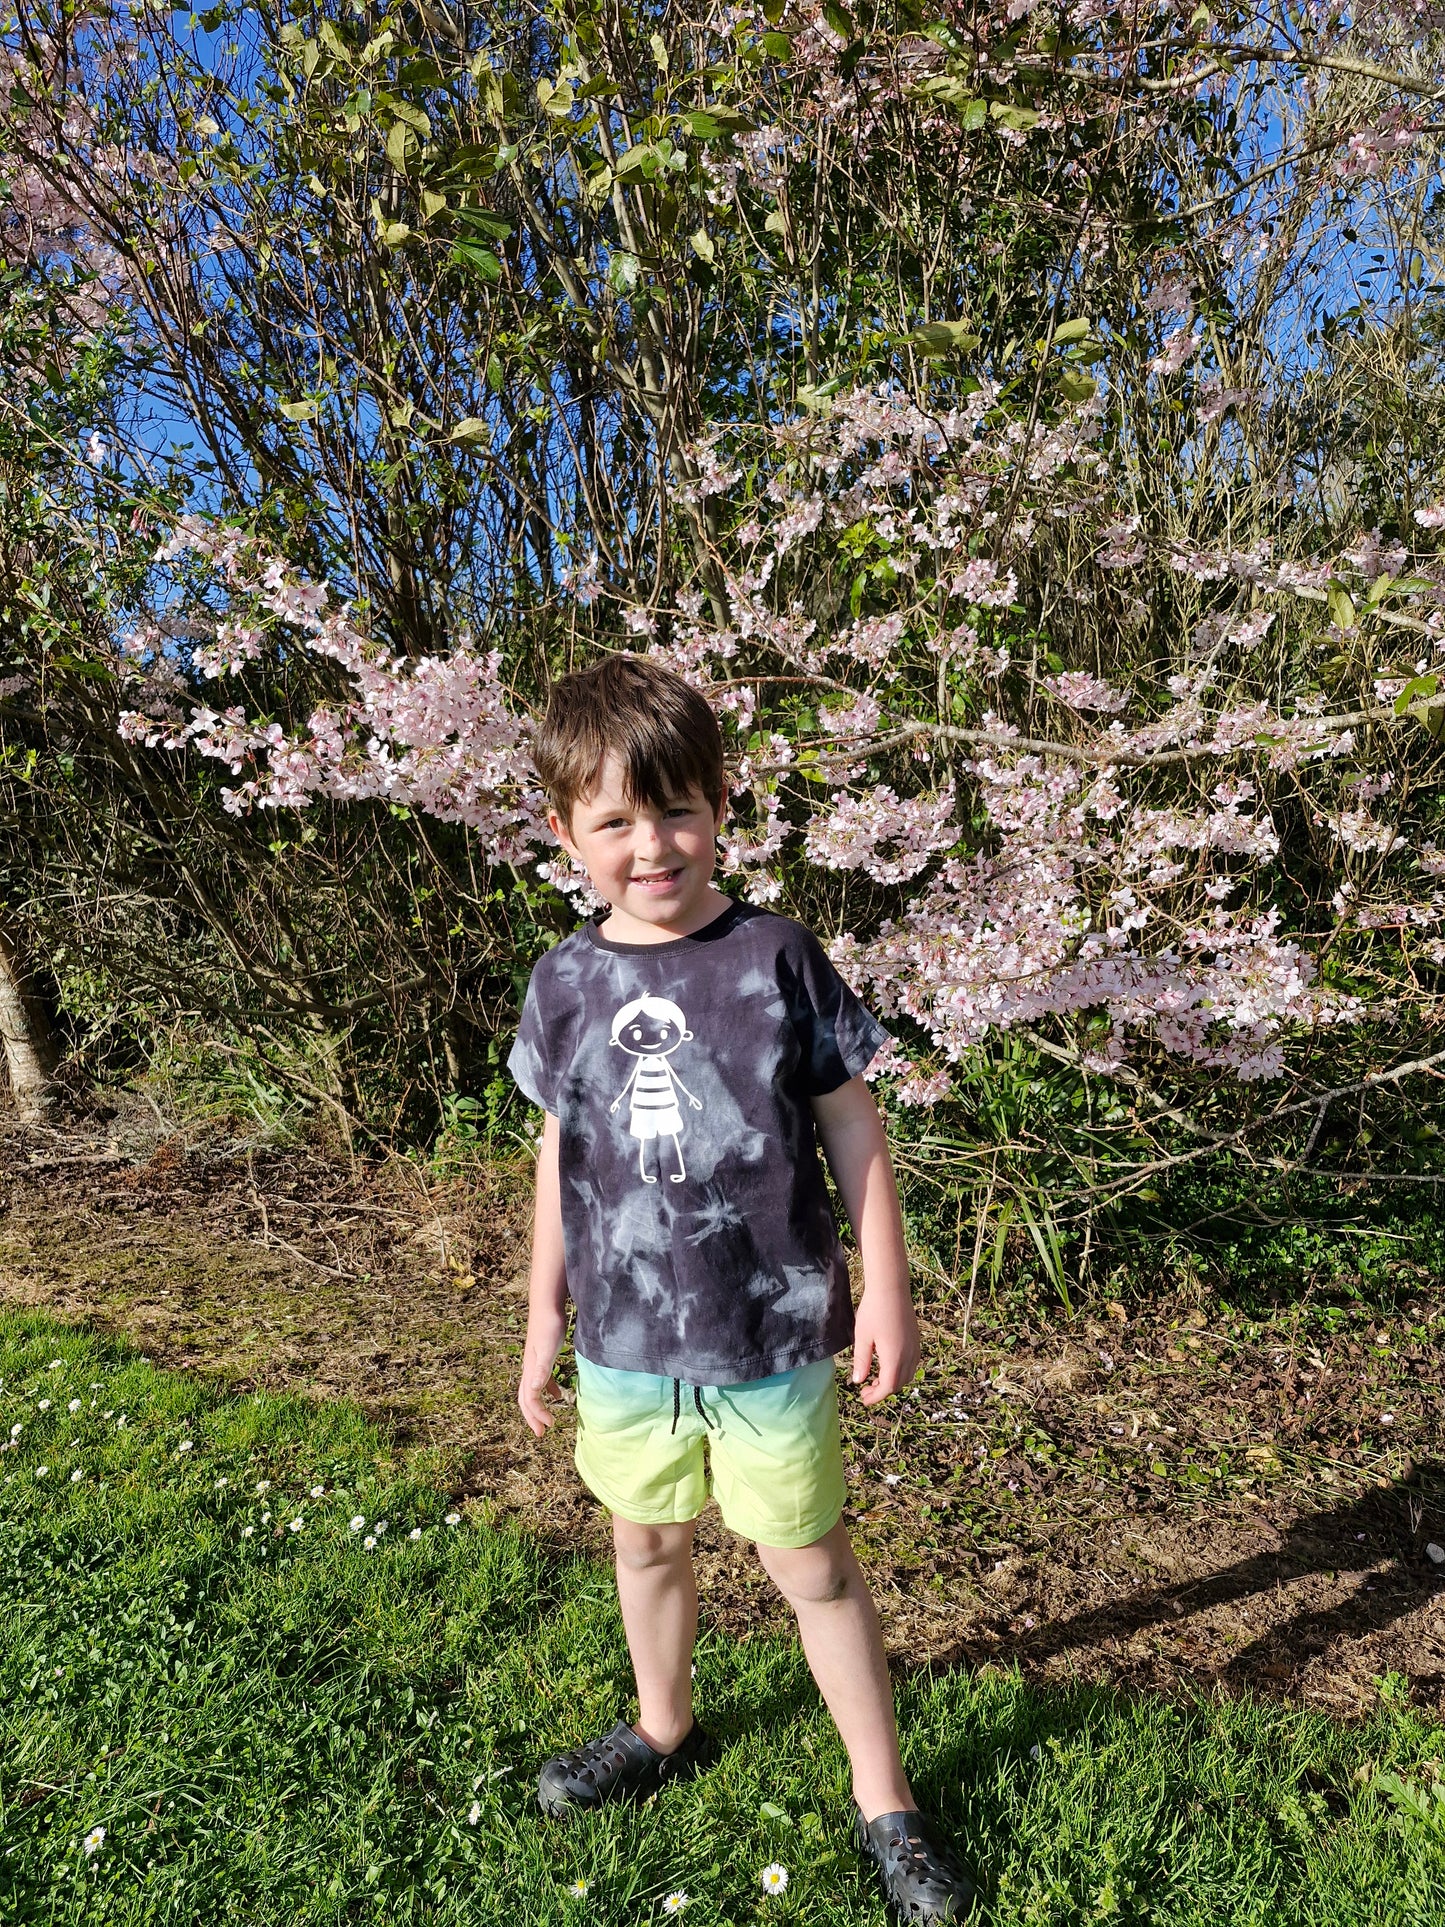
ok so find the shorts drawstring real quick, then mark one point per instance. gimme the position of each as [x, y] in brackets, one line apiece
[698, 1405]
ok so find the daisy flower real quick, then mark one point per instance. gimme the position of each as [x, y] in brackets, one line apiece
[298, 1525]
[369, 1543]
[248, 1532]
[318, 1491]
[774, 1878]
[475, 1814]
[186, 1445]
[357, 1522]
[262, 1485]
[44, 1405]
[41, 1470]
[74, 1405]
[93, 1841]
[577, 1888]
[454, 1518]
[75, 1476]
[54, 1365]
[675, 1902]
[415, 1533]
[265, 1518]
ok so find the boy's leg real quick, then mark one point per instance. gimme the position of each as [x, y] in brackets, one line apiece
[657, 1590]
[844, 1646]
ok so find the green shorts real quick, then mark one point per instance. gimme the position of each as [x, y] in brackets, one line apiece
[777, 1464]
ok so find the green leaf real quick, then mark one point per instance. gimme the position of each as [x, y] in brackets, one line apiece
[413, 116]
[840, 20]
[943, 338]
[556, 101]
[1074, 330]
[473, 429]
[470, 254]
[298, 411]
[496, 374]
[711, 123]
[702, 247]
[1342, 609]
[635, 158]
[1076, 386]
[659, 51]
[778, 46]
[394, 233]
[1420, 689]
[481, 221]
[399, 138]
[1017, 118]
[771, 1812]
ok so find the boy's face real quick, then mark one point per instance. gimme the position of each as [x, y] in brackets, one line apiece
[653, 865]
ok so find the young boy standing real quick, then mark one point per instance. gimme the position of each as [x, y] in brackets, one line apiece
[691, 1055]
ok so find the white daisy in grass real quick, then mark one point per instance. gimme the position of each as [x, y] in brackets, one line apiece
[41, 1470]
[16, 1430]
[475, 1814]
[109, 1414]
[265, 1518]
[380, 1527]
[675, 1902]
[248, 1532]
[358, 1521]
[369, 1543]
[578, 1889]
[297, 1525]
[454, 1518]
[54, 1365]
[44, 1405]
[93, 1841]
[318, 1491]
[774, 1878]
[186, 1445]
[262, 1485]
[75, 1476]
[221, 1484]
[74, 1405]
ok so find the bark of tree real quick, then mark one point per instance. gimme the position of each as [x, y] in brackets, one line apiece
[31, 1055]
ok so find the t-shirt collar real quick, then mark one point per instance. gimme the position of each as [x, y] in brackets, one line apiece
[709, 933]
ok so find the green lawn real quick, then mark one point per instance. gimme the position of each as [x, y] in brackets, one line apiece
[284, 1726]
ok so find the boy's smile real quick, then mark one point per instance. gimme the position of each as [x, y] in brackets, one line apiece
[653, 863]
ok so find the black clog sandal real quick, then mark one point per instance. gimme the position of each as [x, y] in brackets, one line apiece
[618, 1766]
[921, 1879]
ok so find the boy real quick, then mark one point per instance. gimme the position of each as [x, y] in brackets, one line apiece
[690, 1054]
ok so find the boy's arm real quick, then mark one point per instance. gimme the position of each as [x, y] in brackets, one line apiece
[546, 1291]
[856, 1148]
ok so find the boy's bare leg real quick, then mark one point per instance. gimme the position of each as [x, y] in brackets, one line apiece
[658, 1594]
[844, 1646]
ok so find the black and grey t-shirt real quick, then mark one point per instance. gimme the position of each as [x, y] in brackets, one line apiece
[700, 1242]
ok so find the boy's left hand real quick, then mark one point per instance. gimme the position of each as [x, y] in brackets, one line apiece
[885, 1329]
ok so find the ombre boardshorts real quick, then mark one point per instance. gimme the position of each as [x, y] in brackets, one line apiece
[776, 1459]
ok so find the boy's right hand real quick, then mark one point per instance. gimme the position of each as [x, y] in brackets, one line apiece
[539, 1390]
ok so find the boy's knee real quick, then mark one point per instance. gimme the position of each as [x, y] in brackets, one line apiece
[641, 1547]
[807, 1575]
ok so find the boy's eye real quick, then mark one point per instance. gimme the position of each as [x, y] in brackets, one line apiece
[662, 1033]
[637, 1037]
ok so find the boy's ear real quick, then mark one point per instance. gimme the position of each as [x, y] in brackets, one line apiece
[563, 833]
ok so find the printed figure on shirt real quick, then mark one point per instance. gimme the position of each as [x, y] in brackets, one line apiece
[650, 1029]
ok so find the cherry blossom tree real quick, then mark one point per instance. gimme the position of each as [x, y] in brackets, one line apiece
[964, 397]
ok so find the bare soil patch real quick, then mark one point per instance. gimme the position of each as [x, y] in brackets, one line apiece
[1168, 1495]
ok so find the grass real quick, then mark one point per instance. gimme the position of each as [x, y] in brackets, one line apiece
[284, 1726]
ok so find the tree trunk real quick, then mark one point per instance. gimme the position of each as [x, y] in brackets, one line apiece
[30, 1052]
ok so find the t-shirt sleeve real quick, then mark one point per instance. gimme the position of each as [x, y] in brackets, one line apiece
[839, 1036]
[528, 1061]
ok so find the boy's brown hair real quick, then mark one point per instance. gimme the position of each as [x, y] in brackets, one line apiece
[660, 730]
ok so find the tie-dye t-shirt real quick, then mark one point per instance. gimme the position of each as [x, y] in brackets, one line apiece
[700, 1241]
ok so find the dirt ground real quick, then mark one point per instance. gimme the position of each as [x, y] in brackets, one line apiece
[1163, 1496]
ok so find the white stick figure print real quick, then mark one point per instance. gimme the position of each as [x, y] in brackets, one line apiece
[650, 1029]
